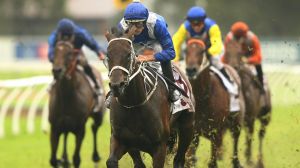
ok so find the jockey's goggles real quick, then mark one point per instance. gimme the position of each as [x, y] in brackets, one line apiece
[137, 23]
[196, 22]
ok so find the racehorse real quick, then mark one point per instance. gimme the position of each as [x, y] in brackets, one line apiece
[140, 121]
[71, 103]
[212, 115]
[257, 105]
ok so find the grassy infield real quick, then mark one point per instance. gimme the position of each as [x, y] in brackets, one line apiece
[281, 146]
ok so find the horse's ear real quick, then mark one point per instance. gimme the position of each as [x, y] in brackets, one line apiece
[72, 39]
[130, 32]
[108, 35]
[59, 37]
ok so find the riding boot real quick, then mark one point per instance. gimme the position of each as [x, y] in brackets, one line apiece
[260, 77]
[89, 72]
[167, 71]
[108, 98]
[223, 71]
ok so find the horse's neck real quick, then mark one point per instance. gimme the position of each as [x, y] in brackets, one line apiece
[69, 87]
[202, 83]
[245, 74]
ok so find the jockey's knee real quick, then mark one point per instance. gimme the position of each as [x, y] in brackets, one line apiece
[216, 62]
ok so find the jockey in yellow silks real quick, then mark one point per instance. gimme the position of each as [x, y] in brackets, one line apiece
[198, 25]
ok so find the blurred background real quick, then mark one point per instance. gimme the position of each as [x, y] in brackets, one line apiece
[25, 71]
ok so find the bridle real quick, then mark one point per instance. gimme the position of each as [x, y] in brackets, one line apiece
[205, 62]
[129, 72]
[72, 66]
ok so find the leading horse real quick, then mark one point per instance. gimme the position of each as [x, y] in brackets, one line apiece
[71, 103]
[141, 121]
[212, 115]
[257, 105]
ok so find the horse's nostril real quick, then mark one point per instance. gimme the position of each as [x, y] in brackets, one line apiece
[191, 71]
[56, 70]
[122, 84]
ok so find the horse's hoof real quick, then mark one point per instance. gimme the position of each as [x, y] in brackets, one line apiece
[250, 162]
[96, 158]
[213, 164]
[236, 164]
[260, 164]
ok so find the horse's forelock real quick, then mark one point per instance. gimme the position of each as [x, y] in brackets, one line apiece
[119, 46]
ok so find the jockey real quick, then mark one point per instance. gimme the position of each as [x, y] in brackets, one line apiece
[152, 32]
[250, 46]
[66, 28]
[198, 25]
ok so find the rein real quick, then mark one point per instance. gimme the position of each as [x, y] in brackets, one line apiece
[131, 75]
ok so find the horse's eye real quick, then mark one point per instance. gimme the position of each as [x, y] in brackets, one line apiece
[129, 56]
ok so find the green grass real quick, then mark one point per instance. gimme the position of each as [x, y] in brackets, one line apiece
[281, 145]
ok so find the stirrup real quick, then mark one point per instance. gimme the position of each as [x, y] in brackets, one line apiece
[174, 95]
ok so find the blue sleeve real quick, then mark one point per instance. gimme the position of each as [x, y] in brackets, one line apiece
[164, 38]
[208, 23]
[89, 41]
[51, 42]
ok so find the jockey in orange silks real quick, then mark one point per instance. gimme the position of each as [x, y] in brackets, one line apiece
[250, 46]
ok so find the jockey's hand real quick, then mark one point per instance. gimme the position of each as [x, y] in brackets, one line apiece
[145, 58]
[245, 60]
[101, 56]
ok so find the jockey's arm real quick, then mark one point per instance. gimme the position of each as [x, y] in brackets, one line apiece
[90, 42]
[255, 57]
[178, 39]
[215, 40]
[164, 38]
[51, 42]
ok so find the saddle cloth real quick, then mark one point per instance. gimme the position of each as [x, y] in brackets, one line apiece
[232, 89]
[183, 103]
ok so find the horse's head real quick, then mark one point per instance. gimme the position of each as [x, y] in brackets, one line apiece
[195, 56]
[120, 59]
[65, 60]
[233, 53]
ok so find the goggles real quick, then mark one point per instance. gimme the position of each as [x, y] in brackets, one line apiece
[137, 23]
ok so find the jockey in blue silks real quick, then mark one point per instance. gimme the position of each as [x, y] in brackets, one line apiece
[66, 29]
[151, 31]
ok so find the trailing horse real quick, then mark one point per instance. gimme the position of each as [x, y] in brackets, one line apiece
[212, 111]
[257, 105]
[140, 109]
[71, 103]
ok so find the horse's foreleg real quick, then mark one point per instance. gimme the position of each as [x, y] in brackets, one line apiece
[54, 138]
[159, 156]
[137, 159]
[249, 135]
[215, 140]
[191, 153]
[264, 120]
[186, 129]
[117, 150]
[65, 160]
[235, 131]
[79, 138]
[97, 122]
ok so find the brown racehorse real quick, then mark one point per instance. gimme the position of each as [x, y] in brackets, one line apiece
[140, 122]
[212, 104]
[257, 105]
[71, 103]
